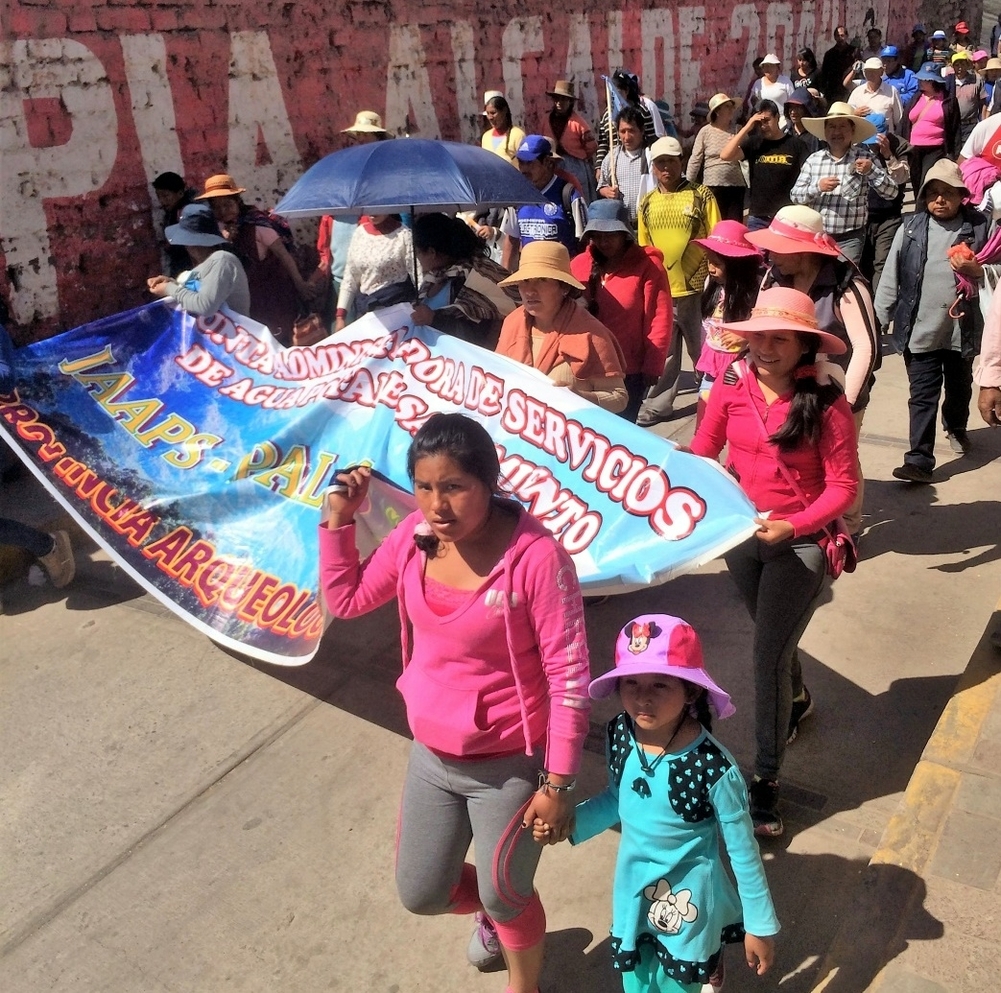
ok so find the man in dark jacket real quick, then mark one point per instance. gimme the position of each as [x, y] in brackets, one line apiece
[937, 330]
[837, 61]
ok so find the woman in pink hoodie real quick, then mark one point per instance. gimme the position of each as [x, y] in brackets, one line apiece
[495, 684]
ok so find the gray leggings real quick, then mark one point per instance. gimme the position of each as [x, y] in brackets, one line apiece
[780, 585]
[449, 803]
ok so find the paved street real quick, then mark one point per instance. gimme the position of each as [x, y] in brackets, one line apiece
[176, 818]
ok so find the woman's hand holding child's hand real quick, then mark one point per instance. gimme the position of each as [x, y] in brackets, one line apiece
[759, 953]
[551, 814]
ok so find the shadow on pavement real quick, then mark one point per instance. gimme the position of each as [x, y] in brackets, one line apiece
[909, 519]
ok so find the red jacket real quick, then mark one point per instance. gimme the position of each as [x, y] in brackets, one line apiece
[634, 303]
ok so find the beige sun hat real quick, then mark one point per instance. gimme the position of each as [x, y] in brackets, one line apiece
[544, 260]
[945, 171]
[994, 63]
[863, 128]
[716, 101]
[366, 122]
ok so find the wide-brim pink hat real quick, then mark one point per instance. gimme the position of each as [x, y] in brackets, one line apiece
[794, 229]
[661, 645]
[729, 239]
[781, 308]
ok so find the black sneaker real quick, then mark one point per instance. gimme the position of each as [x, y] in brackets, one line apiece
[912, 473]
[959, 442]
[801, 709]
[764, 796]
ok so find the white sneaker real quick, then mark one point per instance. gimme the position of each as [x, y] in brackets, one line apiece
[59, 563]
[484, 948]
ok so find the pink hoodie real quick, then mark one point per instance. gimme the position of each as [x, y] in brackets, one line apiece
[508, 670]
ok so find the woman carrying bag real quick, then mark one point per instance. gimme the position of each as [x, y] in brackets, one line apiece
[792, 449]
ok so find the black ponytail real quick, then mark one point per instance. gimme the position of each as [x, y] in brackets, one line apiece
[701, 711]
[810, 400]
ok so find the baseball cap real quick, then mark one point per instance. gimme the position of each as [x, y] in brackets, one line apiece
[535, 146]
[873, 63]
[890, 52]
[665, 146]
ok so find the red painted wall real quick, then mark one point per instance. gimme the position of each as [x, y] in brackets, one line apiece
[97, 98]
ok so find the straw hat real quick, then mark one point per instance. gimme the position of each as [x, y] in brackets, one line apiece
[366, 122]
[543, 260]
[863, 128]
[728, 238]
[221, 185]
[716, 101]
[661, 645]
[795, 229]
[781, 308]
[994, 63]
[562, 88]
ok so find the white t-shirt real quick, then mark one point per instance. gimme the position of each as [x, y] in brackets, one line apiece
[980, 137]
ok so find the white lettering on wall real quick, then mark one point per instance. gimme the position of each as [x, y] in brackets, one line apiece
[614, 23]
[658, 26]
[61, 70]
[744, 21]
[152, 104]
[580, 67]
[258, 121]
[691, 22]
[521, 37]
[471, 120]
[408, 87]
[778, 20]
[807, 31]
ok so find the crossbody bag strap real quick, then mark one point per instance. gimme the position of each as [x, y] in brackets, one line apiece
[743, 373]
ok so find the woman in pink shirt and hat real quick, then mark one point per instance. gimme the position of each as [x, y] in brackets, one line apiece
[791, 447]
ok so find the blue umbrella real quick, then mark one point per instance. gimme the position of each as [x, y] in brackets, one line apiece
[407, 175]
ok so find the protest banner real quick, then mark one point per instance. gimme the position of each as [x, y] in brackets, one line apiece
[197, 450]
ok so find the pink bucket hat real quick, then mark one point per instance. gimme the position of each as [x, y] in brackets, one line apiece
[781, 308]
[795, 229]
[728, 238]
[660, 645]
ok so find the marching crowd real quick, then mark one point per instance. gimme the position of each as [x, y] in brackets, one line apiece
[770, 242]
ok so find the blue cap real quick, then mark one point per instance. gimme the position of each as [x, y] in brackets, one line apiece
[939, 35]
[931, 72]
[879, 121]
[800, 96]
[917, 28]
[196, 226]
[890, 52]
[535, 146]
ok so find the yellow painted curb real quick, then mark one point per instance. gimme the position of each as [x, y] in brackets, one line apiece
[912, 834]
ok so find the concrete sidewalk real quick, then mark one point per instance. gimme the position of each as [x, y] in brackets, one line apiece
[927, 915]
[177, 818]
